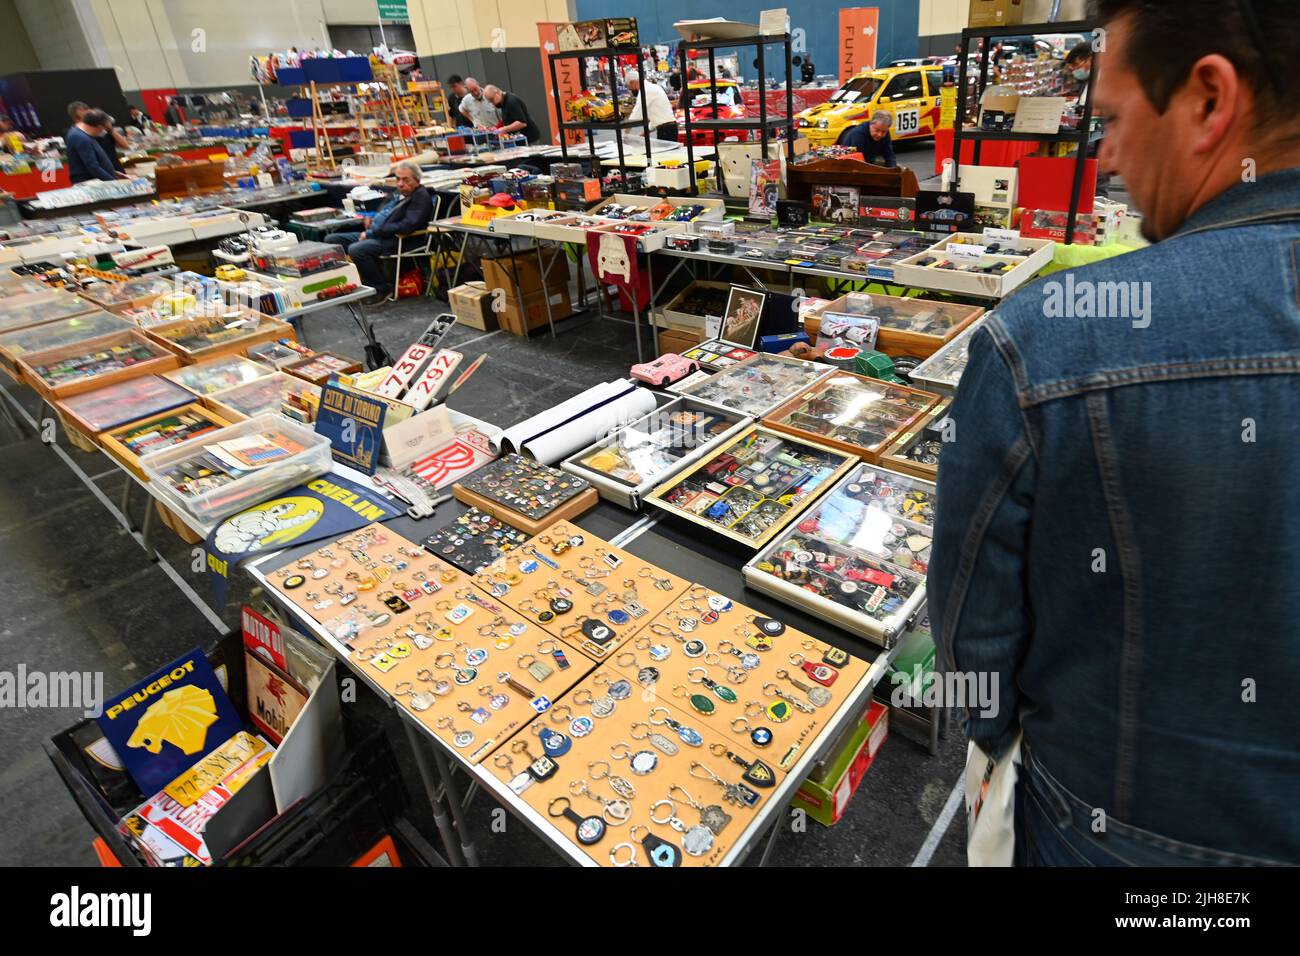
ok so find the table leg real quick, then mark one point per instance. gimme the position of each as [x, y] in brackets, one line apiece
[146, 527]
[467, 848]
[124, 505]
[636, 325]
[650, 305]
[446, 828]
[545, 270]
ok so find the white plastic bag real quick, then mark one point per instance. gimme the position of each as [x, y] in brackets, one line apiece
[991, 806]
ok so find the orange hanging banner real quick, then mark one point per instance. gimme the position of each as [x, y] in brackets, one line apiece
[858, 28]
[568, 76]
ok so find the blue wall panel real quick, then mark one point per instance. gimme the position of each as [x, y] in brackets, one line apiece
[819, 20]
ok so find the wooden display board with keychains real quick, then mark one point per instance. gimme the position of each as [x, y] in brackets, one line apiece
[471, 670]
[583, 590]
[645, 783]
[749, 677]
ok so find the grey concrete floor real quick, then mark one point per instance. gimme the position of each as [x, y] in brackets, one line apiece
[80, 594]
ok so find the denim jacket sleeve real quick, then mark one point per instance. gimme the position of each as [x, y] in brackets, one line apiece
[978, 593]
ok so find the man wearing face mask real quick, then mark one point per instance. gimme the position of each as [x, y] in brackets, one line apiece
[1076, 70]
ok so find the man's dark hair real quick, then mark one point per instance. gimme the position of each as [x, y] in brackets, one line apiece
[1078, 53]
[454, 79]
[75, 107]
[1261, 38]
[95, 118]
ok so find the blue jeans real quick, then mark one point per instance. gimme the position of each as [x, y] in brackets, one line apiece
[1056, 828]
[365, 254]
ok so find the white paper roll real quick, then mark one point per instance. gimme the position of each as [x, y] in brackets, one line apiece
[565, 439]
[516, 436]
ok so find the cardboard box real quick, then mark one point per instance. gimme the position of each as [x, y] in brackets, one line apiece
[471, 303]
[825, 795]
[498, 273]
[520, 320]
[678, 341]
[577, 190]
[996, 13]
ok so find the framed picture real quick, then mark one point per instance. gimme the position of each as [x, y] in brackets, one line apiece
[740, 320]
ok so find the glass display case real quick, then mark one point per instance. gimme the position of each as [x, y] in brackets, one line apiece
[717, 354]
[93, 363]
[122, 402]
[52, 335]
[320, 367]
[229, 329]
[851, 413]
[752, 486]
[917, 327]
[917, 451]
[628, 463]
[143, 290]
[304, 259]
[859, 558]
[756, 385]
[942, 370]
[35, 308]
[277, 392]
[217, 375]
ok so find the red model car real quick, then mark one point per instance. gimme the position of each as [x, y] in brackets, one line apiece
[729, 105]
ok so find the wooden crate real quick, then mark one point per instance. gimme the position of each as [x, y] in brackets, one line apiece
[162, 361]
[268, 330]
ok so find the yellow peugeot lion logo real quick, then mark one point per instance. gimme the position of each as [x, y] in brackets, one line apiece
[180, 717]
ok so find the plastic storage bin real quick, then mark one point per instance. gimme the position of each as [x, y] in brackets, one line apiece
[211, 505]
[52, 335]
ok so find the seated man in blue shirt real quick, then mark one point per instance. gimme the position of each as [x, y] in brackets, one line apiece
[86, 158]
[407, 210]
[872, 139]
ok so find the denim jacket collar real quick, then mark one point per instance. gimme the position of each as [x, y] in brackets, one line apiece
[1275, 196]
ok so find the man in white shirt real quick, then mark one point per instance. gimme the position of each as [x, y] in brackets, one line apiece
[476, 108]
[658, 109]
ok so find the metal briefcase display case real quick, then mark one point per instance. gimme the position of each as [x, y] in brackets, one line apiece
[859, 557]
[627, 464]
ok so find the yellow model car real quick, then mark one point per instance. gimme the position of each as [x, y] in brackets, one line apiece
[910, 93]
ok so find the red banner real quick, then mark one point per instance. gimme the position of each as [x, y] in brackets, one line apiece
[858, 29]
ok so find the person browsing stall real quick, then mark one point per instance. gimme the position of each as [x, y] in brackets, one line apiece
[477, 107]
[663, 123]
[514, 113]
[456, 92]
[407, 210]
[86, 158]
[872, 140]
[1117, 544]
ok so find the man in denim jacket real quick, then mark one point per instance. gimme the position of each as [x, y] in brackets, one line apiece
[1118, 536]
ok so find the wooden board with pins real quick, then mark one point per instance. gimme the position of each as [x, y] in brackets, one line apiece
[525, 493]
[582, 589]
[632, 779]
[750, 678]
[472, 671]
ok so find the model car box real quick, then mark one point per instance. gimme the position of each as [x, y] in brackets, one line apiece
[471, 303]
[577, 191]
[825, 795]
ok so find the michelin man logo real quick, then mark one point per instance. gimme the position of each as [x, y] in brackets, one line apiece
[272, 523]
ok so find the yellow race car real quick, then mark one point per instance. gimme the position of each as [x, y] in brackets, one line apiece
[910, 93]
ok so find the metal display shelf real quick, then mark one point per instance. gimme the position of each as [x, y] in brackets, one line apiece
[763, 124]
[1082, 136]
[610, 55]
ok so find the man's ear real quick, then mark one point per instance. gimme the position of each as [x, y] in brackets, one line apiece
[1213, 95]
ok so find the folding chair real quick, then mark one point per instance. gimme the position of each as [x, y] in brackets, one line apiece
[414, 246]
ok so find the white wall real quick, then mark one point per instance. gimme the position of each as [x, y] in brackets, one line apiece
[55, 31]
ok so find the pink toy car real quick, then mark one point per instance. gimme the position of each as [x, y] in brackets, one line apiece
[666, 369]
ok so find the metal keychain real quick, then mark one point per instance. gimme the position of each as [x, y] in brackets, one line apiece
[712, 815]
[657, 740]
[616, 812]
[641, 762]
[620, 785]
[696, 840]
[736, 793]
